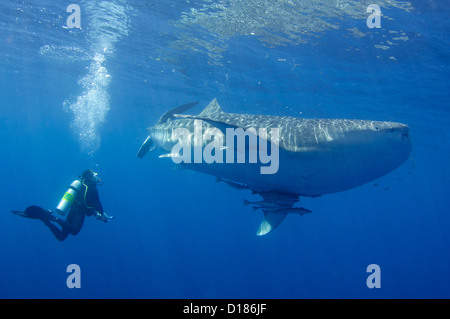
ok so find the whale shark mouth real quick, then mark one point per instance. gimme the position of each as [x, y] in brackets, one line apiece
[405, 136]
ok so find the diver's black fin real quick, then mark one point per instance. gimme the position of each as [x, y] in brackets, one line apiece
[19, 213]
[33, 212]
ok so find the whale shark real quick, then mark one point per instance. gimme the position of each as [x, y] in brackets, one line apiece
[314, 156]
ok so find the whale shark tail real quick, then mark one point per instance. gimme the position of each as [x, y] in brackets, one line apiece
[148, 143]
[145, 147]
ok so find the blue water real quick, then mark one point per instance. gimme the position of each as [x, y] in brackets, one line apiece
[73, 99]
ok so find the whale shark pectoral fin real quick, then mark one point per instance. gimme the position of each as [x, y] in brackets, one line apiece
[180, 109]
[145, 147]
[269, 223]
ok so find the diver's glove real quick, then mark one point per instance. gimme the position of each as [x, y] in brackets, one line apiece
[103, 217]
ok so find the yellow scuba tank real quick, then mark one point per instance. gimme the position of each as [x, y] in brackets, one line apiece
[69, 197]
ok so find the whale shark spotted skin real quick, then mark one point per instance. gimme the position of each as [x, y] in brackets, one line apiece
[316, 156]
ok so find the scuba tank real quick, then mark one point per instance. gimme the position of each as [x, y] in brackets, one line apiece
[69, 197]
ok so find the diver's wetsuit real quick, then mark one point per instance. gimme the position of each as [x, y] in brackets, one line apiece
[86, 204]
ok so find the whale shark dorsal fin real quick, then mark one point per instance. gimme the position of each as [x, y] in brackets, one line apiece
[212, 108]
[178, 110]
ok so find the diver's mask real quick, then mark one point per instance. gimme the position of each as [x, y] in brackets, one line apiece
[96, 179]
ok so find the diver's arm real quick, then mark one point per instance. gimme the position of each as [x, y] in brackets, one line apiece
[103, 217]
[93, 200]
[93, 204]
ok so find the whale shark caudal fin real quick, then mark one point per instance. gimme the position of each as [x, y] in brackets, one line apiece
[222, 126]
[148, 143]
[180, 109]
[145, 147]
[269, 223]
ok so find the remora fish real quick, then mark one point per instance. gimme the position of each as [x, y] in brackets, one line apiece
[266, 204]
[237, 186]
[288, 210]
[316, 156]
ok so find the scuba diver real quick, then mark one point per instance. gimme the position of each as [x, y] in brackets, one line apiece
[81, 199]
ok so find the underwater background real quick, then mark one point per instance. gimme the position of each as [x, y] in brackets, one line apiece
[78, 98]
